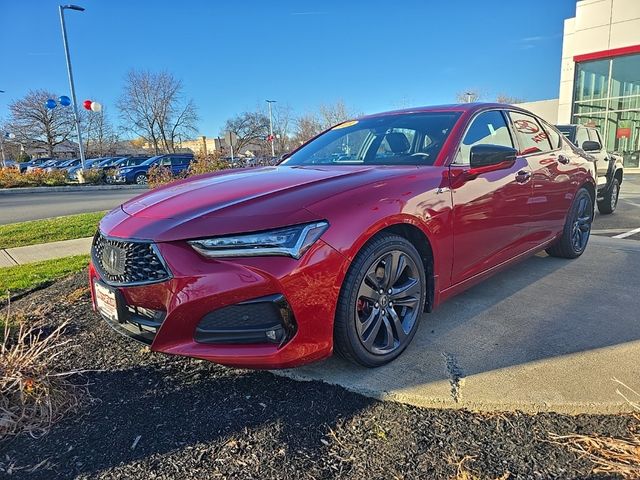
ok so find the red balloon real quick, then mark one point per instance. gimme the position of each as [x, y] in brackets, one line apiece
[87, 104]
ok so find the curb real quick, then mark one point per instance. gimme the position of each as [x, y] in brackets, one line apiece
[70, 188]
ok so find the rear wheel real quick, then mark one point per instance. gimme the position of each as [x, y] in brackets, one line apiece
[610, 201]
[381, 302]
[577, 228]
[140, 179]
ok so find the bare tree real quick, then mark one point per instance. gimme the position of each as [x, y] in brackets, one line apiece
[334, 113]
[153, 107]
[251, 128]
[282, 124]
[307, 127]
[35, 125]
[503, 98]
[468, 96]
[99, 135]
[311, 124]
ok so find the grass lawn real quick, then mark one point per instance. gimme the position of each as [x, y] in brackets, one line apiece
[49, 229]
[24, 277]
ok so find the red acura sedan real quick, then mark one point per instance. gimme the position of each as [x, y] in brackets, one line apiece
[346, 242]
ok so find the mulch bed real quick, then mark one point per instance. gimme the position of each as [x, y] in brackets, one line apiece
[152, 416]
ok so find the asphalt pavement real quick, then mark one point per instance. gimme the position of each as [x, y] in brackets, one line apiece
[20, 207]
[626, 218]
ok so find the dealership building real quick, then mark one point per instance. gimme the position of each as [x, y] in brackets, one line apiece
[600, 75]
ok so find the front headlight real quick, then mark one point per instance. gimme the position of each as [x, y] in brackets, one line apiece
[289, 241]
[123, 170]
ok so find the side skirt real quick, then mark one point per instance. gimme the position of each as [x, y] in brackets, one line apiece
[460, 287]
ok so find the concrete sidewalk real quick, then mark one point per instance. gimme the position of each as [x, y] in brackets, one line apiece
[546, 335]
[47, 251]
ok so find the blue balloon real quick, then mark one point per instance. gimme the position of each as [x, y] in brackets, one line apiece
[64, 101]
[51, 103]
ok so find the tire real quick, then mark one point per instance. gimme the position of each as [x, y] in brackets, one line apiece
[610, 201]
[577, 228]
[140, 179]
[372, 328]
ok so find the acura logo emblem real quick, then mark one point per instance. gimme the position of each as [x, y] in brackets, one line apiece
[113, 259]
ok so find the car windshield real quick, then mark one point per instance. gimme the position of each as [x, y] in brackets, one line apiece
[107, 162]
[394, 139]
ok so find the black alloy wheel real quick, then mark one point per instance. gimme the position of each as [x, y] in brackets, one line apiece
[577, 228]
[381, 301]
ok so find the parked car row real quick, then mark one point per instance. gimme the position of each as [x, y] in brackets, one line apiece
[138, 172]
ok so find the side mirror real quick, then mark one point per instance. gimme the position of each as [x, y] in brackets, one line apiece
[491, 157]
[591, 146]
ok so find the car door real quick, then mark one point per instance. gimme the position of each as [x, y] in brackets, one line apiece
[550, 161]
[490, 210]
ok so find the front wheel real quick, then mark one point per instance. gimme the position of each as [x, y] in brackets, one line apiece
[577, 228]
[610, 201]
[381, 302]
[141, 179]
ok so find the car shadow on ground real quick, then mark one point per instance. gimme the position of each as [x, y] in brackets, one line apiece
[540, 309]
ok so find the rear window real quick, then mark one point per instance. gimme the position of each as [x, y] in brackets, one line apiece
[554, 136]
[567, 131]
[531, 136]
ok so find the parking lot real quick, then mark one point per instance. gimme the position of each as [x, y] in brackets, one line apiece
[627, 216]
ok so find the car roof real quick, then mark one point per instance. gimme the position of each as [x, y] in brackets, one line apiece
[454, 107]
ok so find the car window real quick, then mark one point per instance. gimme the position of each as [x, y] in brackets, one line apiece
[594, 135]
[488, 128]
[554, 137]
[179, 161]
[531, 137]
[165, 162]
[582, 136]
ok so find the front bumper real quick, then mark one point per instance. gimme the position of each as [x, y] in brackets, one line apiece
[116, 179]
[200, 286]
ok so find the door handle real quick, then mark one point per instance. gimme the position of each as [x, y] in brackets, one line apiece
[523, 176]
[562, 159]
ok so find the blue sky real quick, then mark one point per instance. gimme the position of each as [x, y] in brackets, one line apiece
[233, 54]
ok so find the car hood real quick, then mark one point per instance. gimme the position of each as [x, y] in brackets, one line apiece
[236, 201]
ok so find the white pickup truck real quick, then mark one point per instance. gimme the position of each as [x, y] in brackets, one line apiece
[608, 165]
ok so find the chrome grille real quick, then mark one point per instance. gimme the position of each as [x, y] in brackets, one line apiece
[122, 262]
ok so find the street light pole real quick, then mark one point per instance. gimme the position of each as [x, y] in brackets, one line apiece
[4, 160]
[273, 151]
[62, 8]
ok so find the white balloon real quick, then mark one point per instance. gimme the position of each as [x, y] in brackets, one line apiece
[96, 107]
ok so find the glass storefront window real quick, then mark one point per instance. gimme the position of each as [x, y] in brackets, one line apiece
[607, 96]
[592, 79]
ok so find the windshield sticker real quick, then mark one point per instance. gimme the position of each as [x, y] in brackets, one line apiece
[345, 124]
